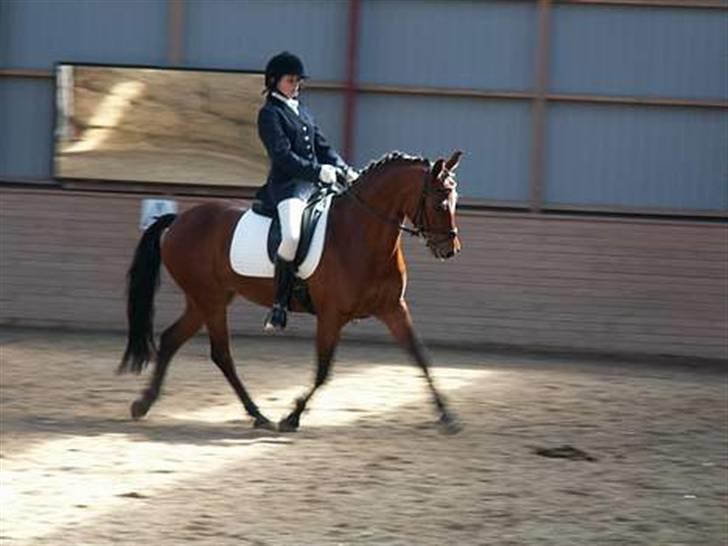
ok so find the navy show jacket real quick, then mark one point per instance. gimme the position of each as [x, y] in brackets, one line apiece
[296, 149]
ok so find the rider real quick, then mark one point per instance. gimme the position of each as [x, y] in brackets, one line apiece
[300, 158]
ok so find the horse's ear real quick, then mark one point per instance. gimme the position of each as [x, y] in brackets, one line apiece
[454, 160]
[437, 168]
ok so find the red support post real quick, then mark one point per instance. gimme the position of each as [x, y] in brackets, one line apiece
[350, 91]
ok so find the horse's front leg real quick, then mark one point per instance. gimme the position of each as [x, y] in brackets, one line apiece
[328, 331]
[399, 322]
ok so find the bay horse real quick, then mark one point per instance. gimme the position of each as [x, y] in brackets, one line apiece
[362, 273]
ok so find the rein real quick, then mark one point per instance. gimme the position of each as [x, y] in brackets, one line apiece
[419, 219]
[417, 232]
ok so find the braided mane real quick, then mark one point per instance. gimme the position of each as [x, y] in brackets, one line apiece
[391, 158]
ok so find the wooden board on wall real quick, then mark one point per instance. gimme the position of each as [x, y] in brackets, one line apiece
[530, 281]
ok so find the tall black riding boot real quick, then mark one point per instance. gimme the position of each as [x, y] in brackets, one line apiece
[276, 319]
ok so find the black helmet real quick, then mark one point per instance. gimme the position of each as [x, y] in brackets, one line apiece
[280, 65]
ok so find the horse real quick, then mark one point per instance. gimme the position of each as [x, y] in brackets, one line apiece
[361, 273]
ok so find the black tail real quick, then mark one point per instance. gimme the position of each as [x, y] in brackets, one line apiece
[142, 283]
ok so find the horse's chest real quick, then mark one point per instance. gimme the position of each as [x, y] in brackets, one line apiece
[381, 293]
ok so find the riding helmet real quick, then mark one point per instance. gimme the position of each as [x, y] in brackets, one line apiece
[280, 65]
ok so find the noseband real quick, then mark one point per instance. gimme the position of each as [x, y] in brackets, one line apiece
[419, 219]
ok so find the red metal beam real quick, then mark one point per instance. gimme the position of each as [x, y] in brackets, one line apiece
[25, 73]
[688, 4]
[351, 79]
[406, 90]
[175, 31]
[639, 101]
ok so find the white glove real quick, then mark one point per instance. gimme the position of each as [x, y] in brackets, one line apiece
[327, 174]
[351, 175]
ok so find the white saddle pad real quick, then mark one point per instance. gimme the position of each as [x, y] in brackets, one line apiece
[249, 247]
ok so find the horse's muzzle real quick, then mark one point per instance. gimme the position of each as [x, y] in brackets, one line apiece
[446, 248]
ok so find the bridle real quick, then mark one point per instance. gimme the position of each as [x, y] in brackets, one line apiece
[419, 219]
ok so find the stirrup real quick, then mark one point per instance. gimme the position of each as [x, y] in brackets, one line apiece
[276, 319]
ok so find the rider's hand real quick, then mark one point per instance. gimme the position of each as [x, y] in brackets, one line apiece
[351, 175]
[327, 174]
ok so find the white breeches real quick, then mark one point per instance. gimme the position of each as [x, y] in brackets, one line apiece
[290, 212]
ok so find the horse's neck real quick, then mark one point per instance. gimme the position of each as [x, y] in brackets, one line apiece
[384, 201]
[394, 193]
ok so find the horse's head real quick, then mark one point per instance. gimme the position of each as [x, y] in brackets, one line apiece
[435, 216]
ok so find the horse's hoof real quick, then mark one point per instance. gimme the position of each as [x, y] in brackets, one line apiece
[264, 423]
[139, 409]
[288, 424]
[450, 424]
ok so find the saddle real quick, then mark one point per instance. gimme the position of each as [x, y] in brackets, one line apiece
[315, 207]
[246, 260]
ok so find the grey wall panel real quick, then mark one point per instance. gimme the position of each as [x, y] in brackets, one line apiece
[245, 34]
[640, 51]
[26, 121]
[41, 32]
[641, 157]
[455, 43]
[326, 107]
[493, 134]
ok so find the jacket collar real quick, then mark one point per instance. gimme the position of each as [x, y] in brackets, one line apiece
[290, 103]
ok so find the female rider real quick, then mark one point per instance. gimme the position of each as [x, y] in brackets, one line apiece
[300, 157]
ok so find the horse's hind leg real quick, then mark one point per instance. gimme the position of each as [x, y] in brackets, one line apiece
[217, 328]
[169, 342]
[399, 322]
